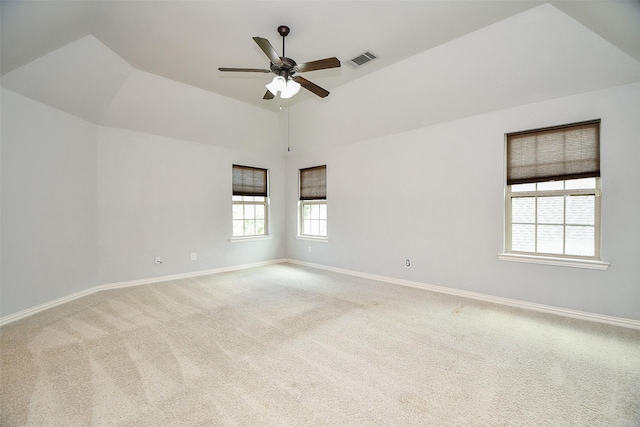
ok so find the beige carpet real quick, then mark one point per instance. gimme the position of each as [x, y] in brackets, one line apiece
[285, 345]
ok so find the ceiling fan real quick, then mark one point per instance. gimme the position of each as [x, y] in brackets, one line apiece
[286, 82]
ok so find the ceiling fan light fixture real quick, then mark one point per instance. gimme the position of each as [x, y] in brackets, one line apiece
[284, 68]
[278, 84]
[292, 88]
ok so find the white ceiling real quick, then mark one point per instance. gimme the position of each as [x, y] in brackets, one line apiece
[187, 41]
[535, 56]
[95, 59]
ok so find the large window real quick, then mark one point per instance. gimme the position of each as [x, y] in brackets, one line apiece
[553, 191]
[313, 202]
[250, 201]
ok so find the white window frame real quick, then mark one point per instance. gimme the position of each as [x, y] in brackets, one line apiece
[596, 192]
[301, 205]
[244, 201]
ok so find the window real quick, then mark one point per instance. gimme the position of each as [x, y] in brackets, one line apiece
[313, 202]
[553, 192]
[250, 201]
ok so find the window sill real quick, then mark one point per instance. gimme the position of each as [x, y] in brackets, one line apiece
[562, 262]
[314, 239]
[249, 239]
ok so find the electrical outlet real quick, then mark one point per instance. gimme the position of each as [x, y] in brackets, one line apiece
[194, 256]
[407, 262]
[158, 261]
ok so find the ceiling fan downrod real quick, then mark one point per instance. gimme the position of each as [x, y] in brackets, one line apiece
[283, 30]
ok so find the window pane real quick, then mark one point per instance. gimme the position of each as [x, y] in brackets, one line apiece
[306, 226]
[323, 212]
[580, 241]
[249, 227]
[575, 184]
[550, 239]
[550, 185]
[315, 212]
[258, 199]
[306, 211]
[260, 227]
[259, 211]
[238, 229]
[249, 211]
[237, 212]
[523, 187]
[236, 198]
[551, 210]
[315, 228]
[523, 237]
[523, 209]
[581, 210]
[323, 228]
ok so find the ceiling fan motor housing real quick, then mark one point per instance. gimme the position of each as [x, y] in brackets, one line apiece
[286, 68]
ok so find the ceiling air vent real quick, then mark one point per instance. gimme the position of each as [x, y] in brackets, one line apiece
[360, 60]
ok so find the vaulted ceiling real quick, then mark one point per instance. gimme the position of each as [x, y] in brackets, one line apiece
[128, 63]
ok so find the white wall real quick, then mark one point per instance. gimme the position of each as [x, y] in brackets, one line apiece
[85, 205]
[167, 197]
[436, 195]
[49, 204]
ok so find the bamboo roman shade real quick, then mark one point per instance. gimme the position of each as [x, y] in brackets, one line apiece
[313, 183]
[557, 153]
[248, 181]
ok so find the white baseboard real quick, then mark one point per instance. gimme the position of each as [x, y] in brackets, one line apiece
[47, 305]
[601, 318]
[198, 273]
[583, 315]
[50, 304]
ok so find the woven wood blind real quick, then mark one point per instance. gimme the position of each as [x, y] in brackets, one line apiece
[553, 154]
[313, 183]
[248, 181]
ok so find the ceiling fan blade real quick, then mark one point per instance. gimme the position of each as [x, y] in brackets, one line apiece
[268, 95]
[320, 64]
[311, 87]
[245, 70]
[268, 49]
